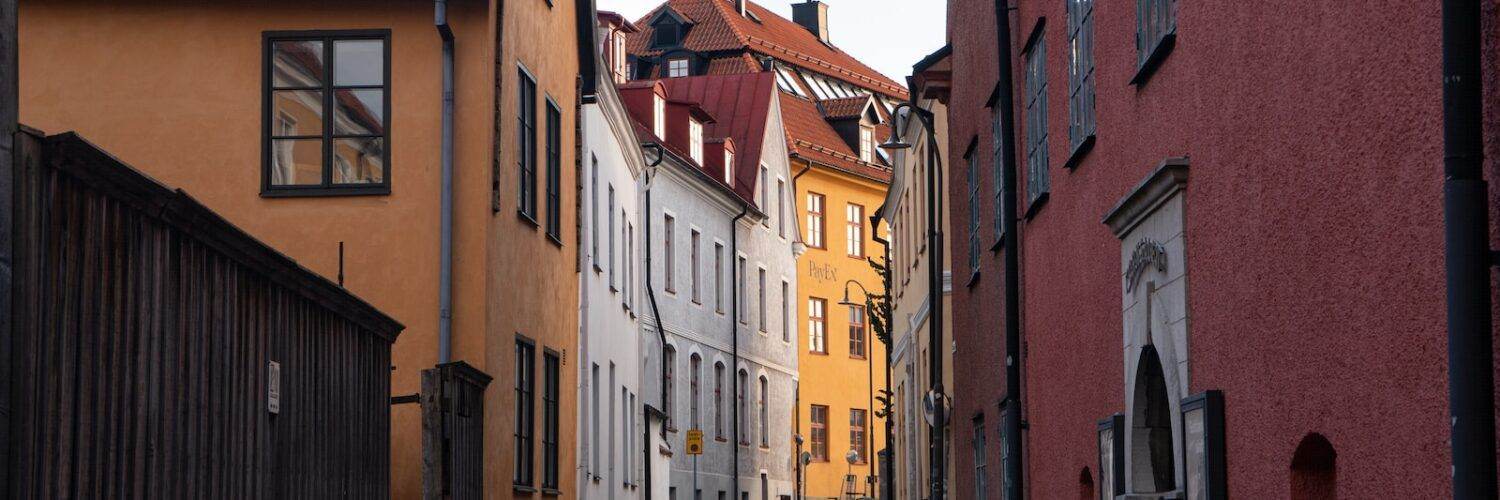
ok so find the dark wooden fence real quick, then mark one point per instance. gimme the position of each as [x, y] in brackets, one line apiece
[453, 432]
[145, 326]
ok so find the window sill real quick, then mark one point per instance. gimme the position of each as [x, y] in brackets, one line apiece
[816, 353]
[527, 218]
[551, 492]
[1153, 61]
[860, 358]
[1079, 152]
[523, 488]
[721, 440]
[1036, 205]
[598, 270]
[323, 191]
[555, 240]
[973, 279]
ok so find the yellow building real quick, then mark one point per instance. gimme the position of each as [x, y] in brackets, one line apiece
[841, 364]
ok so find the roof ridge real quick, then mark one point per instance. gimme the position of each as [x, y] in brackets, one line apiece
[722, 9]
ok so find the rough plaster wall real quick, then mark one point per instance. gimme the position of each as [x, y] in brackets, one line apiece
[1314, 212]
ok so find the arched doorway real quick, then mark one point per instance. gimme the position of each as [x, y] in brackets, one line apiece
[1085, 485]
[1314, 469]
[1152, 459]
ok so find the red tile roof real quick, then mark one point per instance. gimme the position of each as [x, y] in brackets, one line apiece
[845, 107]
[741, 103]
[810, 137]
[717, 27]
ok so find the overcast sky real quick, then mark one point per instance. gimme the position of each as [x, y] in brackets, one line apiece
[888, 35]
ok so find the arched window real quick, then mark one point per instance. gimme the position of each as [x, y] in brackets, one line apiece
[741, 411]
[695, 374]
[719, 400]
[1085, 485]
[1151, 456]
[671, 373]
[764, 421]
[1314, 469]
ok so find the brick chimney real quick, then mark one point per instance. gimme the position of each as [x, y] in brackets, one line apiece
[812, 15]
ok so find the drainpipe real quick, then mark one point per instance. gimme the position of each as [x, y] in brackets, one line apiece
[651, 289]
[1471, 387]
[734, 328]
[887, 456]
[445, 273]
[1014, 485]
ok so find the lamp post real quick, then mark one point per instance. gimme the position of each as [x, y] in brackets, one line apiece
[869, 306]
[934, 283]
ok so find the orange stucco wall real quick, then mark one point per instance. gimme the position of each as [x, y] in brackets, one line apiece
[175, 90]
[836, 379]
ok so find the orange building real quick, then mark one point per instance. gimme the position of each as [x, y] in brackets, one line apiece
[318, 128]
[834, 109]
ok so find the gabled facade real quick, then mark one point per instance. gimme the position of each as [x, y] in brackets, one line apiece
[722, 279]
[317, 127]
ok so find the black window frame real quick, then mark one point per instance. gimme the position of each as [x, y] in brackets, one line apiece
[326, 187]
[1152, 47]
[524, 471]
[554, 171]
[526, 137]
[551, 396]
[1038, 175]
[1082, 119]
[973, 174]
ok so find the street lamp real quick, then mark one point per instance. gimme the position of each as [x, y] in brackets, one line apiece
[897, 141]
[869, 367]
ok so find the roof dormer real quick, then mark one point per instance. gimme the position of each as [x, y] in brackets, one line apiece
[855, 119]
[720, 153]
[668, 29]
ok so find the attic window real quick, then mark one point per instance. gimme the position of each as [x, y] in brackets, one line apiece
[728, 167]
[676, 67]
[659, 116]
[695, 135]
[668, 34]
[866, 143]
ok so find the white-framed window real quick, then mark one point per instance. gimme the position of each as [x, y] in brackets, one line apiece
[669, 252]
[854, 230]
[610, 211]
[765, 421]
[786, 311]
[762, 298]
[695, 379]
[866, 143]
[677, 66]
[659, 116]
[719, 277]
[817, 325]
[729, 168]
[695, 138]
[742, 411]
[781, 207]
[765, 192]
[696, 262]
[815, 220]
[744, 300]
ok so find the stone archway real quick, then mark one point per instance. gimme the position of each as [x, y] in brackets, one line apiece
[1151, 429]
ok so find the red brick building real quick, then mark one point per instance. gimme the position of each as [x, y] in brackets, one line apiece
[1270, 191]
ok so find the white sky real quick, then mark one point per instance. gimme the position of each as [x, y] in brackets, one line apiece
[888, 35]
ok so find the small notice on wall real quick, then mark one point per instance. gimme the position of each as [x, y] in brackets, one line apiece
[273, 388]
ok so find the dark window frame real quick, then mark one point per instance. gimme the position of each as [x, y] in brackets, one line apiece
[526, 137]
[1082, 119]
[524, 473]
[1153, 47]
[818, 444]
[551, 396]
[1038, 175]
[859, 346]
[554, 171]
[326, 187]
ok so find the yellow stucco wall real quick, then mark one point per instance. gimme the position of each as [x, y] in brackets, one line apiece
[836, 379]
[174, 89]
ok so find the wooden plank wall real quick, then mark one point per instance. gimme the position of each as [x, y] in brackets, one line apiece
[144, 328]
[8, 110]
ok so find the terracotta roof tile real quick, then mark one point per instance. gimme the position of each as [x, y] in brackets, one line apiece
[811, 137]
[718, 27]
[845, 107]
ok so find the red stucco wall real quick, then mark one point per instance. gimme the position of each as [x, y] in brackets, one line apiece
[1313, 227]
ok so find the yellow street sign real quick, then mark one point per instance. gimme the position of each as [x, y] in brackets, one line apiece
[694, 442]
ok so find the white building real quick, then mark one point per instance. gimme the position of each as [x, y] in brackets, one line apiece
[611, 413]
[724, 278]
